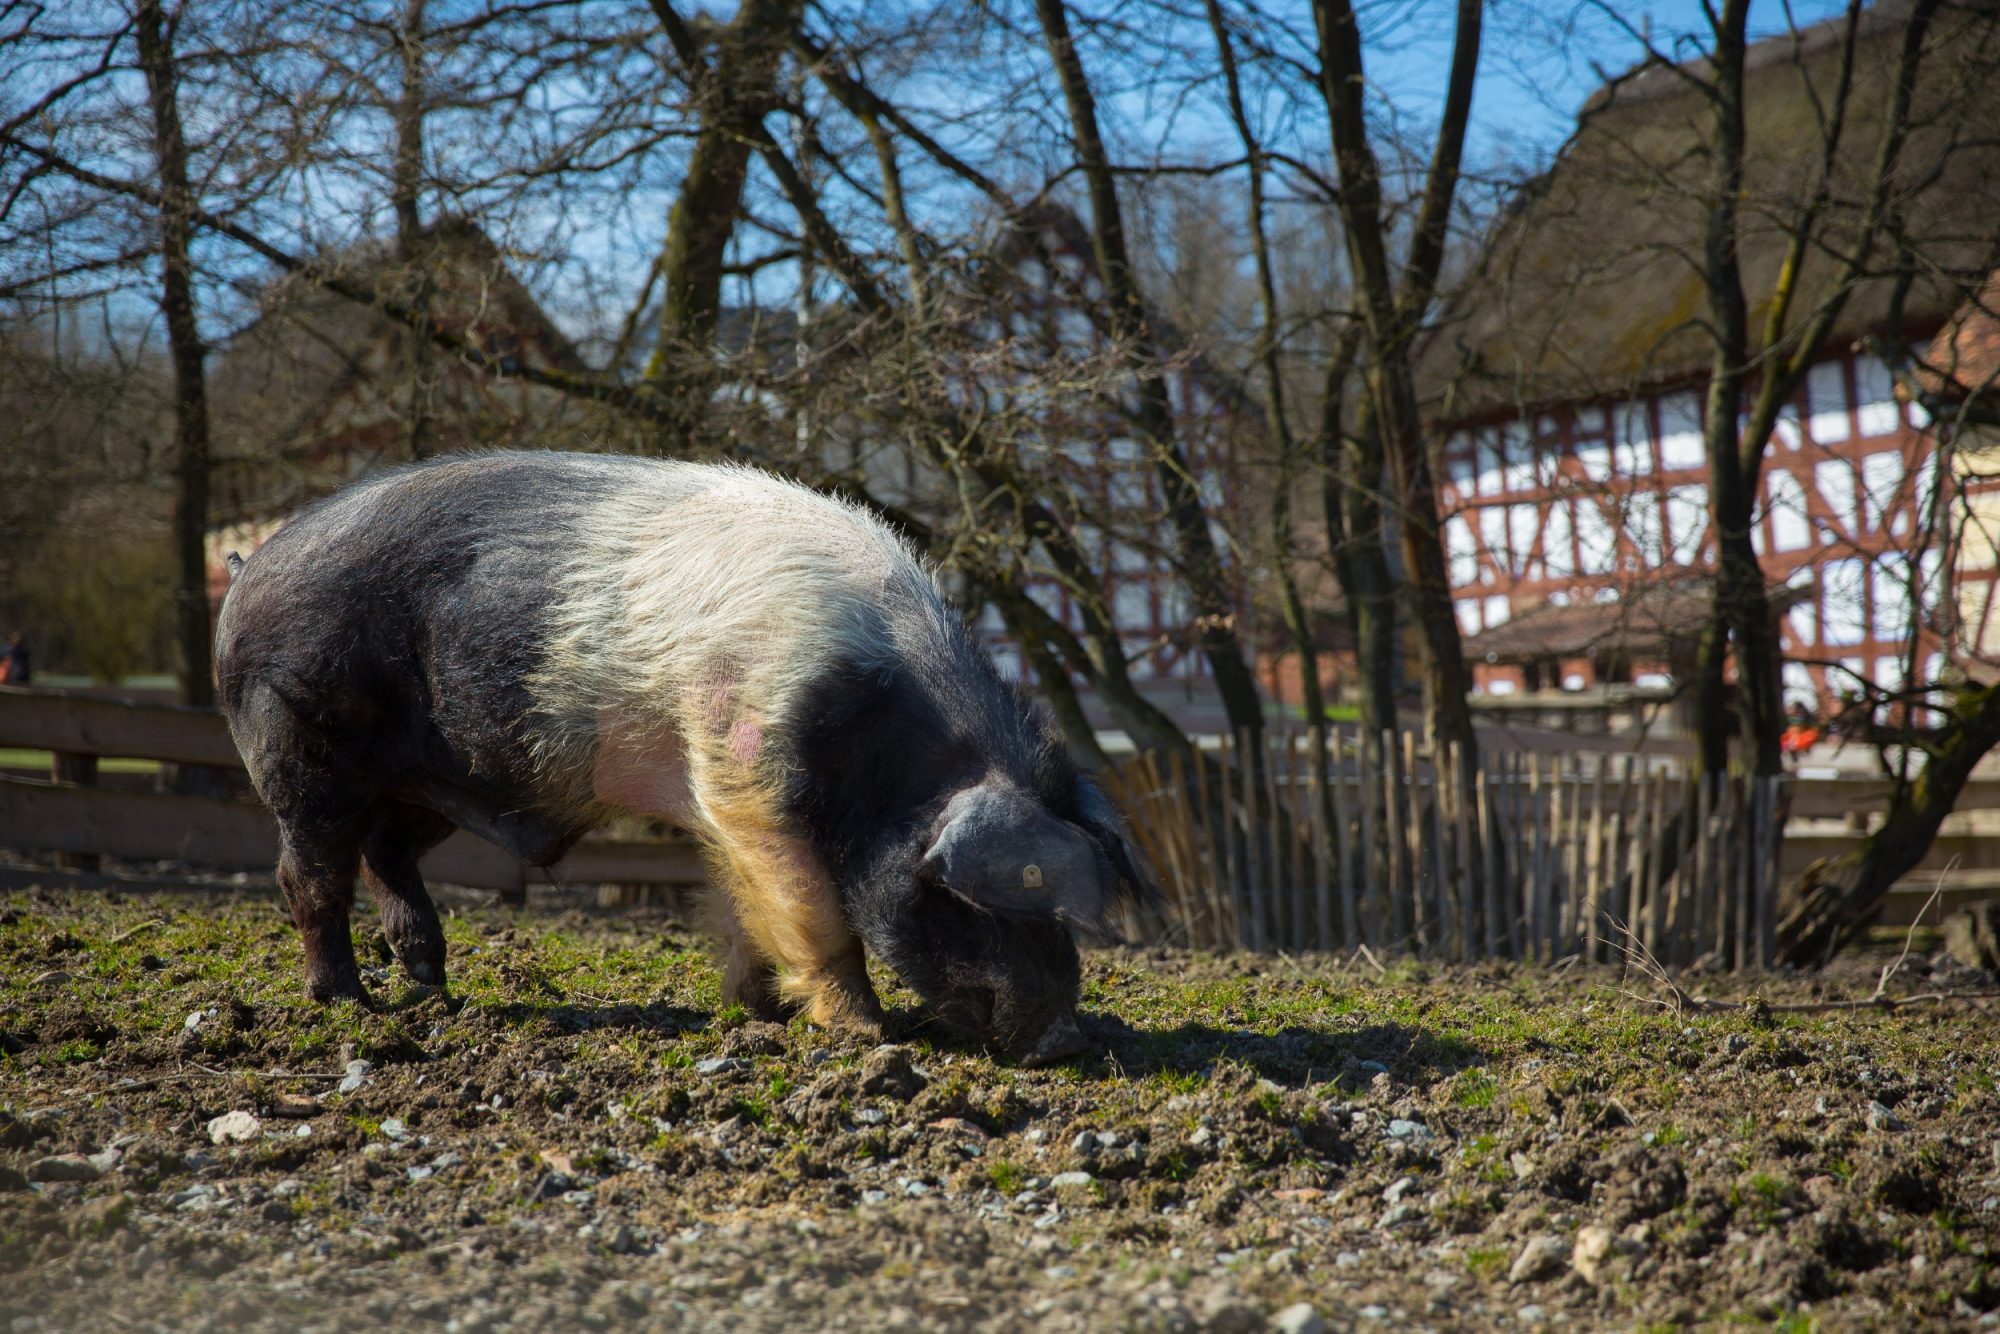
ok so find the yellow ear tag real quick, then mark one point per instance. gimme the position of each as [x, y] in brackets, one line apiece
[1031, 876]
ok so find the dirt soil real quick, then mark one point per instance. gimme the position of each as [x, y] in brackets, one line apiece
[579, 1136]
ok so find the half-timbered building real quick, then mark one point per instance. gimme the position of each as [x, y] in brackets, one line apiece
[1569, 384]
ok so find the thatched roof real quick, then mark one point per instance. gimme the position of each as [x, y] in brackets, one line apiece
[1650, 619]
[1592, 286]
[318, 376]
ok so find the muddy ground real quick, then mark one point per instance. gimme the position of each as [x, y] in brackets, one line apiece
[581, 1137]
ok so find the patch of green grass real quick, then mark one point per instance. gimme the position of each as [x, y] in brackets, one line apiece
[1007, 1178]
[1489, 1263]
[1475, 1088]
[76, 1052]
[1175, 1081]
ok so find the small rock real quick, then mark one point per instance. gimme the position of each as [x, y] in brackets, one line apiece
[1299, 1318]
[886, 1073]
[1201, 1137]
[869, 1116]
[1401, 1187]
[1057, 1273]
[720, 1065]
[1063, 1179]
[276, 1211]
[394, 1128]
[359, 1067]
[1594, 1246]
[1879, 1117]
[1415, 1131]
[1399, 1215]
[1347, 1260]
[106, 1160]
[1541, 1257]
[193, 1021]
[1373, 1312]
[874, 1196]
[1084, 1144]
[1529, 1315]
[294, 1106]
[198, 1198]
[63, 1167]
[1285, 1257]
[288, 1188]
[234, 1128]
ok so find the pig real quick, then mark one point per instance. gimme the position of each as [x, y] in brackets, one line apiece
[524, 644]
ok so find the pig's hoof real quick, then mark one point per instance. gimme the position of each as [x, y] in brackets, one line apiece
[327, 991]
[854, 1016]
[425, 973]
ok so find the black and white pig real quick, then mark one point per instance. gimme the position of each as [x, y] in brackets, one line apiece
[523, 644]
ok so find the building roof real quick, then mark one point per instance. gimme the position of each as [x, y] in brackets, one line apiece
[317, 372]
[1649, 619]
[1592, 287]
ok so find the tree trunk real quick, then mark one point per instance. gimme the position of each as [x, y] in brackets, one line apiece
[1199, 563]
[191, 619]
[405, 201]
[1835, 900]
[732, 95]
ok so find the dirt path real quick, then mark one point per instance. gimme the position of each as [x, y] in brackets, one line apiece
[579, 1138]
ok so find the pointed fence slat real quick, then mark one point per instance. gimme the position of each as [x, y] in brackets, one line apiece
[1294, 840]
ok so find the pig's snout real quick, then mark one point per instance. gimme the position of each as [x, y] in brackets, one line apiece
[1062, 1040]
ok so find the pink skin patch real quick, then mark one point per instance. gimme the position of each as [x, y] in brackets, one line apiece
[644, 775]
[745, 740]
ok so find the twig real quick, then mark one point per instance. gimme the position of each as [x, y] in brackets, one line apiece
[1910, 935]
[1364, 952]
[1681, 1003]
[179, 1076]
[132, 931]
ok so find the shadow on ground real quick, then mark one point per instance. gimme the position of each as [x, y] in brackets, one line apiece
[1293, 1056]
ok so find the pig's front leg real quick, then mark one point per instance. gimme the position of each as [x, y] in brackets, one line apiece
[748, 978]
[787, 905]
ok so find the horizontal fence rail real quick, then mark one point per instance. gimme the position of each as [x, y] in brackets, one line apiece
[70, 815]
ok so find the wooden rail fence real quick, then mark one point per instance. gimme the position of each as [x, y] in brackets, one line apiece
[69, 815]
[1262, 847]
[1259, 845]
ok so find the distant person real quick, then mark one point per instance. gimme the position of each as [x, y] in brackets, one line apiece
[14, 666]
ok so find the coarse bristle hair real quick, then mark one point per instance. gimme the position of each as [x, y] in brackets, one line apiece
[690, 596]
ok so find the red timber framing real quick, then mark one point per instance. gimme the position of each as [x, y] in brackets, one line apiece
[1594, 504]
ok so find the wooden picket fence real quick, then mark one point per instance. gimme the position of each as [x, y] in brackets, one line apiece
[1548, 856]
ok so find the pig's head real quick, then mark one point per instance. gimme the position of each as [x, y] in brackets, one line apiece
[989, 908]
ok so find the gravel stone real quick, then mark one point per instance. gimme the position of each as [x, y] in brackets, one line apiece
[1299, 1318]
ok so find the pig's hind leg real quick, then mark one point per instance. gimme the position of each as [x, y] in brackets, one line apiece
[316, 876]
[398, 834]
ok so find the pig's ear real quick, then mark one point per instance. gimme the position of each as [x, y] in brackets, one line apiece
[1001, 851]
[1098, 818]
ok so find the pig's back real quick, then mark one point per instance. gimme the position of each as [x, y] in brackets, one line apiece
[515, 599]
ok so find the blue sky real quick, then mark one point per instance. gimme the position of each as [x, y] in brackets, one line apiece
[1543, 58]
